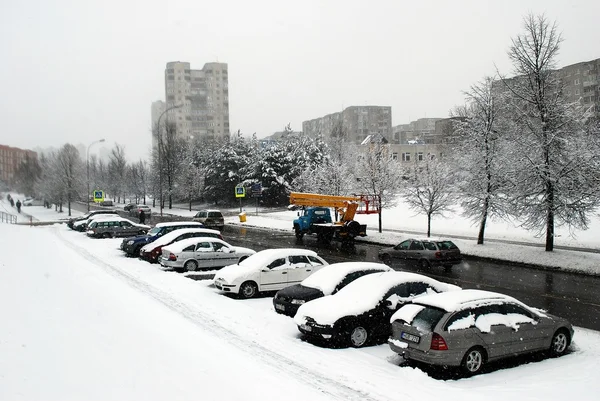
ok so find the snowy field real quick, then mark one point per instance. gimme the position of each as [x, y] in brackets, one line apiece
[80, 321]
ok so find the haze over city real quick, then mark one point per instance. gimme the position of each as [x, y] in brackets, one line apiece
[77, 71]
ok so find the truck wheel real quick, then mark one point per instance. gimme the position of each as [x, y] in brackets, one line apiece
[299, 234]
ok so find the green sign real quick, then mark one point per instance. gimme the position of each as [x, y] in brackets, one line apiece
[240, 192]
[98, 196]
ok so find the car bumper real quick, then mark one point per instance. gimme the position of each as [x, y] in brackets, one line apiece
[174, 264]
[318, 331]
[232, 288]
[438, 358]
[285, 308]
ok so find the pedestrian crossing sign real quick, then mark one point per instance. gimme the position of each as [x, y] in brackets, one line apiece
[240, 192]
[98, 196]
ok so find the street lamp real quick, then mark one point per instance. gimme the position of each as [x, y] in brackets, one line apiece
[87, 162]
[159, 144]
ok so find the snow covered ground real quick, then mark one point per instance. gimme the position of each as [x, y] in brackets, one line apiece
[80, 321]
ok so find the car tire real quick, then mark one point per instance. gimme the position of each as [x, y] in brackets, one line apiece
[387, 259]
[248, 290]
[299, 234]
[560, 343]
[106, 235]
[190, 266]
[424, 263]
[358, 336]
[137, 252]
[473, 361]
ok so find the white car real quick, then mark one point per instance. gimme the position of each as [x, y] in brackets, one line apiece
[152, 251]
[268, 270]
[202, 253]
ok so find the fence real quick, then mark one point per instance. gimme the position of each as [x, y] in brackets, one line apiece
[8, 218]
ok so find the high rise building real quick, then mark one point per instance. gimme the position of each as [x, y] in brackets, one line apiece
[582, 83]
[10, 160]
[203, 96]
[358, 122]
[419, 131]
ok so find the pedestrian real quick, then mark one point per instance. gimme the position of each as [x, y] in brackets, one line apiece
[12, 202]
[142, 217]
[18, 206]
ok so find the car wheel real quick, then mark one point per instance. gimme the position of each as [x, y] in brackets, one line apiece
[138, 251]
[299, 234]
[191, 265]
[387, 259]
[358, 336]
[424, 263]
[560, 343]
[107, 235]
[473, 361]
[248, 290]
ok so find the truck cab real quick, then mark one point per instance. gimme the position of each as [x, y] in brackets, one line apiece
[312, 215]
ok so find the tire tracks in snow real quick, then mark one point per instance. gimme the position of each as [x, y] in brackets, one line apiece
[326, 385]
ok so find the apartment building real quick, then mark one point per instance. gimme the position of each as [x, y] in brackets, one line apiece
[203, 96]
[421, 130]
[358, 122]
[582, 83]
[10, 160]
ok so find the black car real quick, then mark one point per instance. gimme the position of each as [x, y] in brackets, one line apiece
[360, 313]
[425, 253]
[129, 206]
[326, 281]
[89, 214]
[132, 245]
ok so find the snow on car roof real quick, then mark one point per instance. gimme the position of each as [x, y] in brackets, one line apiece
[458, 300]
[330, 276]
[361, 295]
[179, 223]
[165, 239]
[184, 243]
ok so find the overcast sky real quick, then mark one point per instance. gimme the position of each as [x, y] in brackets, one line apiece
[79, 70]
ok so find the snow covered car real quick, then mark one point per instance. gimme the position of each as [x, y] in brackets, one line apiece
[133, 245]
[33, 202]
[360, 312]
[268, 270]
[326, 281]
[82, 225]
[472, 327]
[88, 215]
[202, 253]
[152, 251]
[115, 227]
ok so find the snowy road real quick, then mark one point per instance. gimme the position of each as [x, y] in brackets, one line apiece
[83, 322]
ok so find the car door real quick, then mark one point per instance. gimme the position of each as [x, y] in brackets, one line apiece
[300, 268]
[498, 338]
[399, 251]
[527, 336]
[274, 276]
[415, 252]
[205, 254]
[224, 255]
[393, 300]
[125, 229]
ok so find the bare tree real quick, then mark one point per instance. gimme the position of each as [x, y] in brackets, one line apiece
[69, 168]
[429, 188]
[555, 184]
[171, 157]
[117, 172]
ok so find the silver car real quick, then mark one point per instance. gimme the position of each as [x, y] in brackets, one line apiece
[469, 328]
[423, 252]
[202, 253]
[115, 227]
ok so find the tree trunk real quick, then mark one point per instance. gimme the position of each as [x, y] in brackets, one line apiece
[486, 205]
[190, 202]
[69, 206]
[428, 225]
[550, 217]
[380, 209]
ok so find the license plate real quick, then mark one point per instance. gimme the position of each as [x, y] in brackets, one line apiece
[218, 286]
[305, 327]
[410, 337]
[279, 307]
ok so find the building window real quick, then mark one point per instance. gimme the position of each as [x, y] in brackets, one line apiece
[576, 82]
[420, 156]
[395, 156]
[405, 157]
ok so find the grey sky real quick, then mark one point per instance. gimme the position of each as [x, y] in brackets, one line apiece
[78, 70]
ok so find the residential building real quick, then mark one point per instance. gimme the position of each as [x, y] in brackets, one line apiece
[419, 131]
[582, 83]
[358, 122]
[203, 96]
[10, 160]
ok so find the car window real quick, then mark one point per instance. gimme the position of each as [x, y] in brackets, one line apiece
[417, 288]
[400, 290]
[403, 245]
[126, 224]
[93, 225]
[314, 261]
[217, 246]
[512, 308]
[295, 259]
[189, 248]
[203, 247]
[426, 320]
[201, 214]
[350, 277]
[416, 246]
[460, 315]
[486, 310]
[276, 263]
[320, 212]
[446, 245]
[430, 246]
[214, 214]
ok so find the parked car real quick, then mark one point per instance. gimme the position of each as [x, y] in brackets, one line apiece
[426, 252]
[329, 280]
[82, 225]
[133, 245]
[202, 253]
[268, 270]
[470, 328]
[33, 202]
[135, 210]
[152, 251]
[210, 218]
[115, 227]
[360, 313]
[128, 206]
[88, 215]
[107, 202]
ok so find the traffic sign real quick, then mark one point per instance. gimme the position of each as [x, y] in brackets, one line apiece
[98, 195]
[240, 192]
[256, 189]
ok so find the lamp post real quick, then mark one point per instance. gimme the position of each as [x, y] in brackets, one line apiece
[159, 144]
[87, 162]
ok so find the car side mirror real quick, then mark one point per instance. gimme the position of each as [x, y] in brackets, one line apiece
[265, 270]
[226, 250]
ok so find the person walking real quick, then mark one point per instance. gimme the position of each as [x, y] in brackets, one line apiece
[18, 206]
[142, 217]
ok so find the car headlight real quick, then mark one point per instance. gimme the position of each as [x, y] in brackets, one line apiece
[298, 301]
[129, 242]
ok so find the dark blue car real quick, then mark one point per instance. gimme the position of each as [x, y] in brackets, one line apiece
[131, 246]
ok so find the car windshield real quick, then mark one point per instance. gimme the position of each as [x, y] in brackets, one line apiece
[154, 231]
[427, 319]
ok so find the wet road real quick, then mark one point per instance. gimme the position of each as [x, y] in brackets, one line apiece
[575, 297]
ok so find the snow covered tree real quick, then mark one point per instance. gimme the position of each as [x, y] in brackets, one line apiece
[429, 188]
[69, 170]
[379, 174]
[556, 184]
[117, 173]
[479, 147]
[26, 175]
